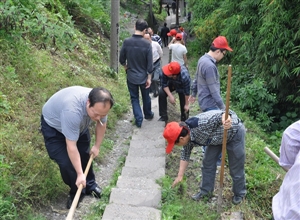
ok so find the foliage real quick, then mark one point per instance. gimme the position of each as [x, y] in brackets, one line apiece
[258, 100]
[169, 196]
[26, 20]
[29, 76]
[265, 39]
[7, 208]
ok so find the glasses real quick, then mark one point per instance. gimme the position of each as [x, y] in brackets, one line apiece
[223, 52]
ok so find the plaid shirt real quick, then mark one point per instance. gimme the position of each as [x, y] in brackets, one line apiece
[206, 129]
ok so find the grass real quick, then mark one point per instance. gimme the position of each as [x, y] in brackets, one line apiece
[28, 178]
[263, 179]
[28, 78]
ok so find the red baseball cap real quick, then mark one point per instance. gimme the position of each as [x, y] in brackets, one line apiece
[172, 68]
[221, 43]
[172, 32]
[178, 36]
[171, 134]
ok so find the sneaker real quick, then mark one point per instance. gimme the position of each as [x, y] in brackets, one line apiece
[198, 196]
[237, 199]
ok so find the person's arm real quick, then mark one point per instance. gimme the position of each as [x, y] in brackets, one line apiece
[149, 80]
[185, 60]
[171, 42]
[76, 162]
[194, 91]
[160, 52]
[122, 57]
[187, 103]
[214, 86]
[170, 95]
[150, 66]
[182, 167]
[99, 136]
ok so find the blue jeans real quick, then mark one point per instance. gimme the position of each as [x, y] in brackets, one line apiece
[135, 102]
[236, 160]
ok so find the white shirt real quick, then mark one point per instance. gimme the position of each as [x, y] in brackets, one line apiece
[156, 51]
[178, 51]
[286, 203]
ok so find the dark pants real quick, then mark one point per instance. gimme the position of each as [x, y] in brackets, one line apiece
[163, 105]
[57, 150]
[135, 101]
[165, 41]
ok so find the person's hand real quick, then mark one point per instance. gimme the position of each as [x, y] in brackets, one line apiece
[94, 151]
[186, 107]
[148, 83]
[177, 180]
[81, 179]
[191, 99]
[172, 99]
[226, 123]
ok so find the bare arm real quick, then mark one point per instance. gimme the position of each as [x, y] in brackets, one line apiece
[76, 162]
[182, 167]
[185, 60]
[99, 132]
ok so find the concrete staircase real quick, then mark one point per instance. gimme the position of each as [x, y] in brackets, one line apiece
[137, 195]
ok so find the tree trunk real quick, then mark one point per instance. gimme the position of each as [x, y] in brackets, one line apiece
[114, 35]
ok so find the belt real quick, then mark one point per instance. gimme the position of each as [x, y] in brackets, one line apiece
[156, 61]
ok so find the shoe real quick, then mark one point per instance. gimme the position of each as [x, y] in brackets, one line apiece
[96, 192]
[150, 117]
[139, 125]
[163, 119]
[71, 198]
[237, 199]
[198, 196]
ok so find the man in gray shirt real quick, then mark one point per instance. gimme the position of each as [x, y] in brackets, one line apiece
[207, 80]
[65, 121]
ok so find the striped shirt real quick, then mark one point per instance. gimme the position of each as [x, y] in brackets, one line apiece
[206, 129]
[157, 38]
[286, 203]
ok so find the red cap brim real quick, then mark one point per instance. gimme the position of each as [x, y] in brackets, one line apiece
[229, 49]
[170, 147]
[166, 70]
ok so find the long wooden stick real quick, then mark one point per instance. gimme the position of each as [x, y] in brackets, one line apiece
[77, 196]
[224, 140]
[273, 156]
